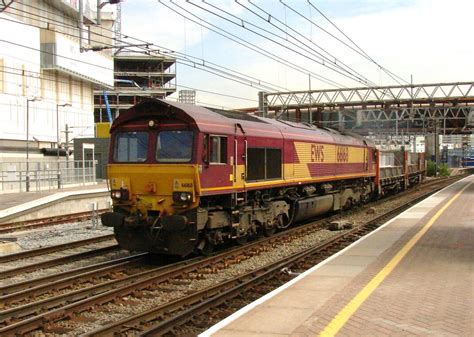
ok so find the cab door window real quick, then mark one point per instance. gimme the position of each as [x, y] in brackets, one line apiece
[218, 149]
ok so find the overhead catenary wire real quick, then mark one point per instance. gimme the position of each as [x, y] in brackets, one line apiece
[204, 67]
[325, 61]
[288, 27]
[255, 48]
[294, 50]
[76, 103]
[39, 76]
[216, 93]
[358, 50]
[200, 21]
[357, 46]
[124, 35]
[331, 59]
[36, 75]
[53, 102]
[254, 82]
[174, 99]
[30, 72]
[147, 49]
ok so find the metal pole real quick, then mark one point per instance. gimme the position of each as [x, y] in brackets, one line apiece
[310, 117]
[262, 109]
[98, 12]
[83, 166]
[93, 165]
[436, 141]
[67, 143]
[57, 133]
[67, 152]
[81, 24]
[396, 125]
[27, 145]
[412, 102]
[58, 141]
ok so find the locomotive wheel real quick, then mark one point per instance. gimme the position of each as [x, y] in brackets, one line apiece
[283, 221]
[208, 248]
[269, 231]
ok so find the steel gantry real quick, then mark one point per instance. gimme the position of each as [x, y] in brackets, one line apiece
[401, 107]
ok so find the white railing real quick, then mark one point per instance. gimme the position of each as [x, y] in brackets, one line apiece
[45, 175]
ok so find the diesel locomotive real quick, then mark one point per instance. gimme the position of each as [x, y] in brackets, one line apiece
[185, 178]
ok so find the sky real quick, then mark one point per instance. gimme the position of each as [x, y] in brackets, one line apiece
[429, 41]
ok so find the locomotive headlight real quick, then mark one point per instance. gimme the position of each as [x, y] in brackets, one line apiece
[185, 196]
[182, 196]
[119, 194]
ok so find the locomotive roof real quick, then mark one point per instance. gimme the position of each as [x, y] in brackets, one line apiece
[216, 121]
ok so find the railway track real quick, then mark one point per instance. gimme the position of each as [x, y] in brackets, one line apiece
[189, 310]
[52, 249]
[46, 261]
[35, 284]
[171, 284]
[45, 222]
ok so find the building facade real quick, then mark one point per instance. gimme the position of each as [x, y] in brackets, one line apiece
[48, 73]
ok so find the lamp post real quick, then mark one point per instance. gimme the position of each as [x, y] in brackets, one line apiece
[28, 100]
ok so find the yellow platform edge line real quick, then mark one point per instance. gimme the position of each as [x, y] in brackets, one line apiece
[345, 314]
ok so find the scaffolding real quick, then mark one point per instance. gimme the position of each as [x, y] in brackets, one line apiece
[136, 77]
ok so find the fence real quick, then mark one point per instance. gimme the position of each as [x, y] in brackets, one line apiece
[45, 175]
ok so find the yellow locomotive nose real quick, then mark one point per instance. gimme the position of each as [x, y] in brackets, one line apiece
[151, 201]
[164, 189]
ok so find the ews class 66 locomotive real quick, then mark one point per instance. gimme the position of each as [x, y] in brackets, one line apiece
[185, 178]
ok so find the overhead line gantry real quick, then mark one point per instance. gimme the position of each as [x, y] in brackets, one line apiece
[361, 107]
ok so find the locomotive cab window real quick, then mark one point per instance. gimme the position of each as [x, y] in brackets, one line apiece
[131, 147]
[174, 146]
[215, 149]
[263, 164]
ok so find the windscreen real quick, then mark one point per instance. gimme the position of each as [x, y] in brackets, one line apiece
[131, 147]
[174, 146]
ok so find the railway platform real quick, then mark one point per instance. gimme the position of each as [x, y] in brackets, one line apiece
[413, 276]
[32, 205]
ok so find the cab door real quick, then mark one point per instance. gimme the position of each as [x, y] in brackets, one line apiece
[218, 169]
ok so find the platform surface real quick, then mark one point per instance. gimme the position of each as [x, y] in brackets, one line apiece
[11, 203]
[414, 276]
